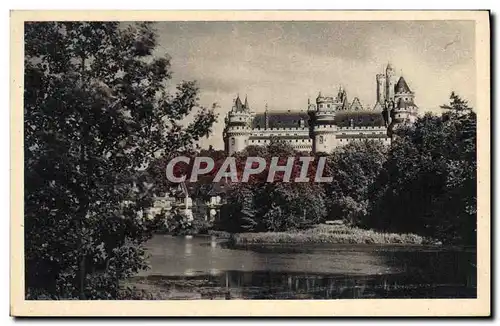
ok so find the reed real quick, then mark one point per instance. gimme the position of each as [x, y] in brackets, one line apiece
[333, 234]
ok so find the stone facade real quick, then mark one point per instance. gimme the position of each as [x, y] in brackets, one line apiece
[329, 122]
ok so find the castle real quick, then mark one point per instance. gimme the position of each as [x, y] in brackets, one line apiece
[326, 124]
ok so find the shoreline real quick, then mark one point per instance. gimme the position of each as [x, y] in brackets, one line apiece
[326, 234]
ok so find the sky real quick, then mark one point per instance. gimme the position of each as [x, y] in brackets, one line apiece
[282, 64]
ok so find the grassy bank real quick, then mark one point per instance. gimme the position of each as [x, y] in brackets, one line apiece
[219, 234]
[333, 234]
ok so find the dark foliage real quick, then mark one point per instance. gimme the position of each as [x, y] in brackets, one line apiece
[96, 112]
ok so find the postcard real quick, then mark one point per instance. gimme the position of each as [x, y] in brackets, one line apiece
[290, 163]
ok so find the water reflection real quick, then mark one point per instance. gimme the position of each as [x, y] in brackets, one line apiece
[211, 270]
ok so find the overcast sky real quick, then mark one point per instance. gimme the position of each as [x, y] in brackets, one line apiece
[285, 63]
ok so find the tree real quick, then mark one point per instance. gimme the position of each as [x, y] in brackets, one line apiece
[428, 184]
[354, 168]
[96, 112]
[273, 206]
[457, 104]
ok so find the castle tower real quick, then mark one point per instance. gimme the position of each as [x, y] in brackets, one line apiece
[266, 118]
[238, 127]
[403, 111]
[390, 82]
[322, 122]
[381, 88]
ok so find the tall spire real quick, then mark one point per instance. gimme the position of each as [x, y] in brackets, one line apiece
[238, 103]
[246, 103]
[389, 70]
[266, 118]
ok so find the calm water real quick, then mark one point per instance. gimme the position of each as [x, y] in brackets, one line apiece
[206, 268]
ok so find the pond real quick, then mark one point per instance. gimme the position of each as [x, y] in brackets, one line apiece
[205, 267]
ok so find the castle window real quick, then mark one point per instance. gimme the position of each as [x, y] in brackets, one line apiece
[321, 139]
[232, 141]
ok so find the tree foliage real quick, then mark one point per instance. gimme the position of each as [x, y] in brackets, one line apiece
[273, 206]
[424, 183]
[354, 168]
[428, 184]
[96, 112]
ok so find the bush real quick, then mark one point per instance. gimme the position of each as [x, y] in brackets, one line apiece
[180, 224]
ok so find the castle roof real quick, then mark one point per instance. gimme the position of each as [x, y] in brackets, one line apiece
[378, 107]
[356, 105]
[280, 119]
[286, 119]
[402, 86]
[359, 119]
[246, 103]
[238, 103]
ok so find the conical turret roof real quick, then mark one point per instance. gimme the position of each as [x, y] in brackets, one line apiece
[246, 103]
[238, 103]
[402, 86]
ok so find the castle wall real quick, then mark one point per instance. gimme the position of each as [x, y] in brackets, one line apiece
[237, 143]
[323, 133]
[326, 137]
[381, 91]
